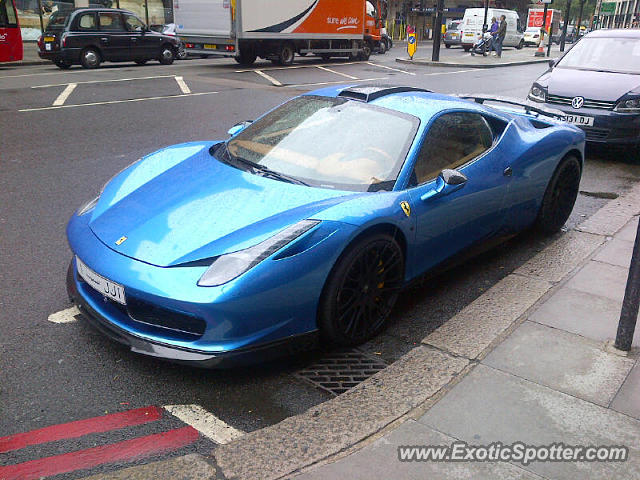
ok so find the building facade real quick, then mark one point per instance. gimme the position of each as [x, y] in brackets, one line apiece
[617, 14]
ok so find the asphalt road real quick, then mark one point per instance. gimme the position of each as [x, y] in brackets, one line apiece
[61, 143]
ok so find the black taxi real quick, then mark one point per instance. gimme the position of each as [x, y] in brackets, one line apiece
[89, 36]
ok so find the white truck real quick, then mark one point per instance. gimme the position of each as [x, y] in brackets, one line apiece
[278, 29]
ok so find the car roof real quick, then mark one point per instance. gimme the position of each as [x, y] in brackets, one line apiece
[101, 9]
[419, 103]
[614, 33]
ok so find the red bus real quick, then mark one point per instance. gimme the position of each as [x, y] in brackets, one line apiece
[10, 36]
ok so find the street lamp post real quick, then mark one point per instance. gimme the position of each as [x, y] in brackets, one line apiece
[563, 37]
[579, 19]
[437, 32]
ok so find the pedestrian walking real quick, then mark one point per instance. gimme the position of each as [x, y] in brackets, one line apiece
[500, 34]
[493, 31]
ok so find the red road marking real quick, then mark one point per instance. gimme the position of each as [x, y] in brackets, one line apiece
[79, 428]
[122, 451]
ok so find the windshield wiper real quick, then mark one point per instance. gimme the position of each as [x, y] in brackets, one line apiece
[266, 172]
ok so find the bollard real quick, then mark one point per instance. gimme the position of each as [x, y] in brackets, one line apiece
[631, 302]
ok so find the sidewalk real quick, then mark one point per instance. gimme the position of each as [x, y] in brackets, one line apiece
[457, 57]
[552, 379]
[29, 57]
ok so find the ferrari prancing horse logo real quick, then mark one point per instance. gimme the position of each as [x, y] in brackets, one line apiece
[406, 208]
[121, 240]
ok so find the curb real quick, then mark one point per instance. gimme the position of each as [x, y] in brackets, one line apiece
[472, 65]
[25, 63]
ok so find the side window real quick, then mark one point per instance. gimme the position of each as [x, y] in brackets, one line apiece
[134, 24]
[453, 140]
[110, 22]
[87, 22]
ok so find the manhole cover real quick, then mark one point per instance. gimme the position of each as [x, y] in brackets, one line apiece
[337, 372]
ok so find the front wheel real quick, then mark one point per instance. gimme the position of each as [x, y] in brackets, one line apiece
[361, 290]
[560, 196]
[447, 45]
[167, 55]
[90, 58]
[520, 45]
[365, 53]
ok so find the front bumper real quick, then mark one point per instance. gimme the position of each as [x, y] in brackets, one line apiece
[609, 127]
[197, 358]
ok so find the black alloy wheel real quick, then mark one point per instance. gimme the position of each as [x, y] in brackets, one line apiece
[167, 55]
[560, 196]
[362, 290]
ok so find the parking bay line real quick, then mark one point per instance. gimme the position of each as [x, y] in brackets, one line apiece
[105, 81]
[390, 68]
[110, 102]
[293, 67]
[337, 73]
[333, 83]
[268, 77]
[206, 423]
[449, 73]
[65, 94]
[183, 86]
[67, 315]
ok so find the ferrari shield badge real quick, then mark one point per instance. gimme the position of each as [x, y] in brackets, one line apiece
[406, 208]
[121, 240]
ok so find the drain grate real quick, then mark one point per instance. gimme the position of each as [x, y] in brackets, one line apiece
[337, 372]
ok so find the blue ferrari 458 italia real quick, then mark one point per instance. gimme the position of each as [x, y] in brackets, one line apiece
[308, 222]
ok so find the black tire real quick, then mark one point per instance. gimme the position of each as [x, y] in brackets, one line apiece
[382, 48]
[325, 57]
[447, 45]
[141, 62]
[167, 55]
[361, 290]
[365, 53]
[520, 45]
[560, 196]
[246, 57]
[90, 58]
[62, 64]
[466, 49]
[286, 54]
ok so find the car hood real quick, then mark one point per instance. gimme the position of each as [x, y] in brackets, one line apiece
[181, 205]
[606, 86]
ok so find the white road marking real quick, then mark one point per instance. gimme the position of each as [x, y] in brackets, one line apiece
[292, 67]
[206, 423]
[268, 77]
[337, 73]
[116, 101]
[64, 316]
[65, 94]
[390, 68]
[333, 83]
[106, 81]
[449, 73]
[183, 86]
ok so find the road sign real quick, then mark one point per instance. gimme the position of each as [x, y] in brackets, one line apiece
[608, 8]
[412, 45]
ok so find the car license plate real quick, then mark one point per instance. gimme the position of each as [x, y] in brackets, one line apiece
[49, 39]
[454, 35]
[47, 46]
[579, 120]
[102, 285]
[208, 46]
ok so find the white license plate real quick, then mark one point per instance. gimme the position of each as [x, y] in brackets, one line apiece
[106, 287]
[47, 46]
[454, 35]
[579, 120]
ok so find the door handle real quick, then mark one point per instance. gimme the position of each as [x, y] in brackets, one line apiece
[508, 172]
[104, 39]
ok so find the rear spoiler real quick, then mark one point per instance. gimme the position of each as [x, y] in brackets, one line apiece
[528, 107]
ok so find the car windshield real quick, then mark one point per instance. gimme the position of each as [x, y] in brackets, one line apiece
[604, 54]
[58, 20]
[453, 26]
[328, 142]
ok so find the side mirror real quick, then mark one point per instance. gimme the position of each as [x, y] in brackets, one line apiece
[238, 127]
[448, 181]
[552, 62]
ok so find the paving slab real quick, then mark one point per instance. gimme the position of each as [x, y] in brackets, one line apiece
[481, 322]
[628, 398]
[616, 252]
[339, 423]
[601, 279]
[592, 316]
[614, 215]
[563, 361]
[188, 467]
[562, 256]
[380, 460]
[492, 406]
[629, 232]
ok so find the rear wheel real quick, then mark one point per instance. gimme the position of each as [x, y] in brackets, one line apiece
[466, 49]
[90, 58]
[62, 64]
[520, 45]
[560, 196]
[286, 54]
[447, 45]
[167, 55]
[361, 290]
[246, 57]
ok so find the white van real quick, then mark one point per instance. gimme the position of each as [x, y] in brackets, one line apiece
[471, 27]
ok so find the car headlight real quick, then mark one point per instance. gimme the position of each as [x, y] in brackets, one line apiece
[538, 94]
[231, 265]
[631, 105]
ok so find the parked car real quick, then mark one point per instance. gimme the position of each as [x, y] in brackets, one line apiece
[89, 36]
[304, 224]
[453, 35]
[597, 84]
[532, 36]
[170, 30]
[570, 38]
[472, 23]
